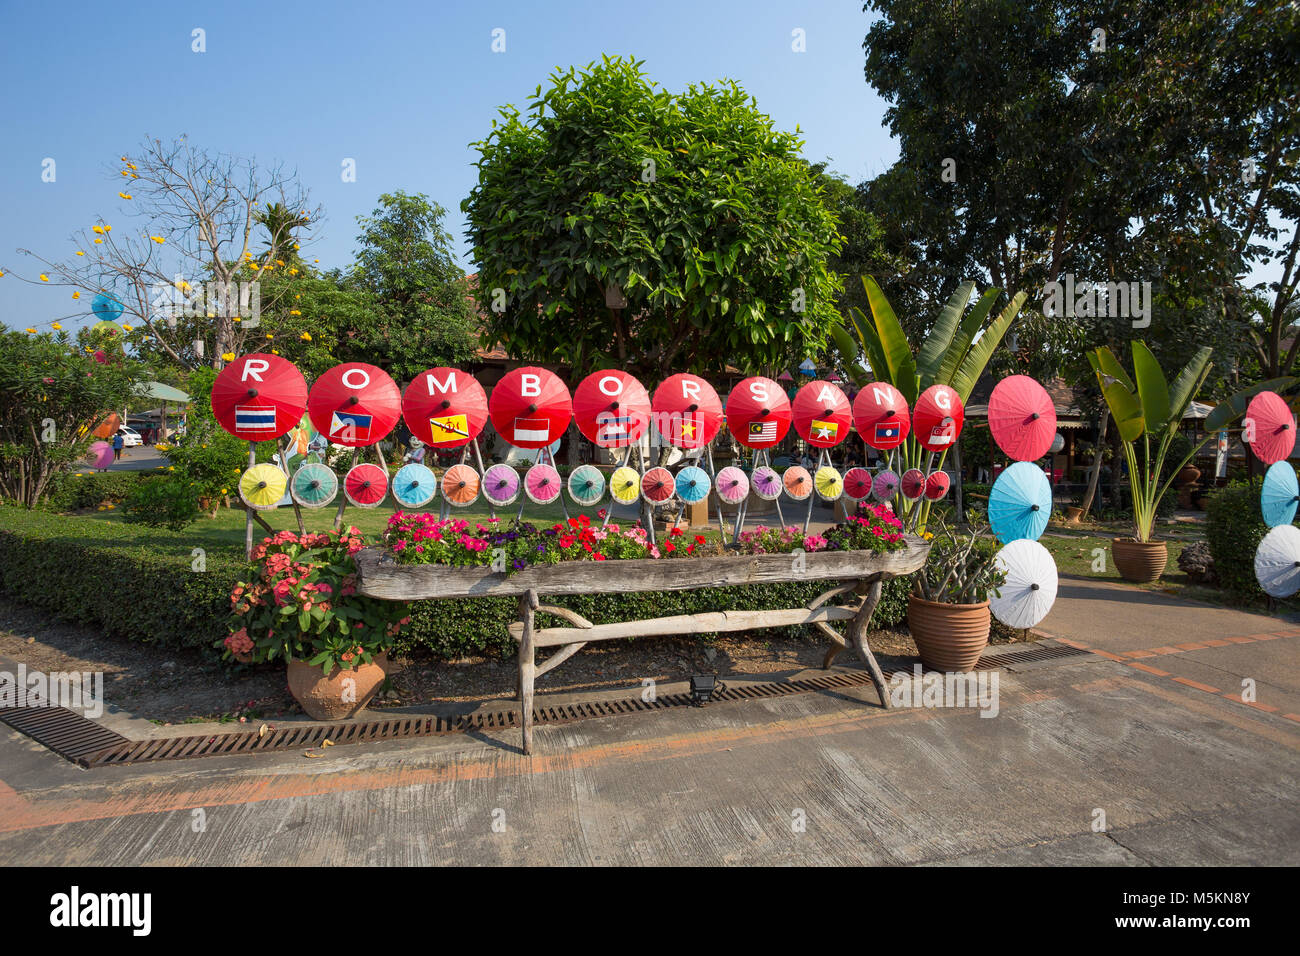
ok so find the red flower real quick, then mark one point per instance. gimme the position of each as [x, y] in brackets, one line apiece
[675, 532]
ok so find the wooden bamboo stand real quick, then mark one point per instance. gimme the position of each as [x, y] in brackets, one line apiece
[864, 574]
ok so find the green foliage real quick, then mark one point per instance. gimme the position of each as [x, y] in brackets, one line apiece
[162, 501]
[702, 213]
[74, 491]
[1234, 527]
[961, 568]
[44, 562]
[52, 394]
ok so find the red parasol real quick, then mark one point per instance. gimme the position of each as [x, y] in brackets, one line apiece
[758, 412]
[354, 404]
[530, 407]
[912, 484]
[1022, 418]
[1269, 428]
[365, 485]
[936, 485]
[822, 414]
[444, 407]
[687, 411]
[108, 428]
[938, 418]
[611, 408]
[880, 414]
[259, 397]
[857, 484]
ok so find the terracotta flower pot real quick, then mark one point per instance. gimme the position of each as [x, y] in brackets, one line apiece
[1187, 475]
[949, 637]
[1139, 561]
[339, 695]
[1072, 514]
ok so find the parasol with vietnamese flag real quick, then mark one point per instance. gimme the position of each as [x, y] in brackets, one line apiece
[687, 411]
[354, 404]
[445, 407]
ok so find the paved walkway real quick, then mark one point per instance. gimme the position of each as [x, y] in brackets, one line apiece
[1181, 773]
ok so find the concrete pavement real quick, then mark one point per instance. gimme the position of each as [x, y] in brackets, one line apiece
[1097, 759]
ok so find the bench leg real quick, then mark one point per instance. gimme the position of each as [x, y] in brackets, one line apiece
[527, 668]
[858, 629]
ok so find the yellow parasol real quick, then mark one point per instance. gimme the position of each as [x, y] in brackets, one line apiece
[262, 486]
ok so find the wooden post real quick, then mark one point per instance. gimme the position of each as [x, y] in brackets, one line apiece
[248, 522]
[284, 466]
[527, 666]
[870, 590]
[343, 498]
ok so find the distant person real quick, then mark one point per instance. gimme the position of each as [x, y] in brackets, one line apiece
[118, 443]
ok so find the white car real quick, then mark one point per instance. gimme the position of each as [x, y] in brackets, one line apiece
[130, 437]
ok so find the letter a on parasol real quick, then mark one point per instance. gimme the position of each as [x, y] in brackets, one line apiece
[259, 397]
[758, 412]
[1269, 428]
[354, 404]
[445, 407]
[822, 414]
[687, 411]
[612, 409]
[530, 407]
[1022, 418]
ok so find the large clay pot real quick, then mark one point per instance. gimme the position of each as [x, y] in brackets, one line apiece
[1139, 561]
[1187, 475]
[1072, 514]
[339, 695]
[949, 637]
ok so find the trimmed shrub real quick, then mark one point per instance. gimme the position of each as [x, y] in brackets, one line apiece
[72, 492]
[140, 584]
[1234, 527]
[162, 502]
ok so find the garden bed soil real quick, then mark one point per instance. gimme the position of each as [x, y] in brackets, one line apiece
[171, 686]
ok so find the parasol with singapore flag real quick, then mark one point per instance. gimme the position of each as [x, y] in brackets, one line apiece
[938, 417]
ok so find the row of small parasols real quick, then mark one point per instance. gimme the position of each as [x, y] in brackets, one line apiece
[366, 485]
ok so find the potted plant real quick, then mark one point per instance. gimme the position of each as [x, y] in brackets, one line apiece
[1148, 412]
[948, 609]
[299, 603]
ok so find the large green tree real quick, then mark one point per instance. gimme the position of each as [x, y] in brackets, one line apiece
[688, 207]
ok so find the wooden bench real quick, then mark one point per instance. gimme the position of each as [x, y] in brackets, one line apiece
[863, 572]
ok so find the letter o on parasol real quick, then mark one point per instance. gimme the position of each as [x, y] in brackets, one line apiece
[612, 409]
[354, 404]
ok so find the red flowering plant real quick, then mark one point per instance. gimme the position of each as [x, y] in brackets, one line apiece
[299, 601]
[869, 528]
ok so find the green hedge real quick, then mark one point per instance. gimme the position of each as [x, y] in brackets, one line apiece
[138, 583]
[1234, 527]
[71, 492]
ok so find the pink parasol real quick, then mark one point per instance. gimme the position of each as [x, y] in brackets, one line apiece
[822, 414]
[1022, 418]
[912, 483]
[658, 485]
[1269, 428]
[733, 485]
[936, 485]
[857, 484]
[101, 454]
[542, 484]
[884, 485]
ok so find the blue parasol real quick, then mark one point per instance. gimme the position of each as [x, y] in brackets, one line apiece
[1280, 494]
[693, 484]
[1020, 503]
[414, 486]
[586, 484]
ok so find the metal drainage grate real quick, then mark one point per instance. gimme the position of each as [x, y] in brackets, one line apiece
[90, 745]
[1033, 654]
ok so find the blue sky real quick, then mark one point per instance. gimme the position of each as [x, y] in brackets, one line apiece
[402, 88]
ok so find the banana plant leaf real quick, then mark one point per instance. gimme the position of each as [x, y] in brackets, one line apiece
[893, 342]
[977, 359]
[939, 341]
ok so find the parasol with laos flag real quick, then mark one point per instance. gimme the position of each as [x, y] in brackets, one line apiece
[259, 397]
[822, 414]
[687, 411]
[445, 407]
[530, 407]
[880, 414]
[611, 408]
[758, 412]
[355, 404]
